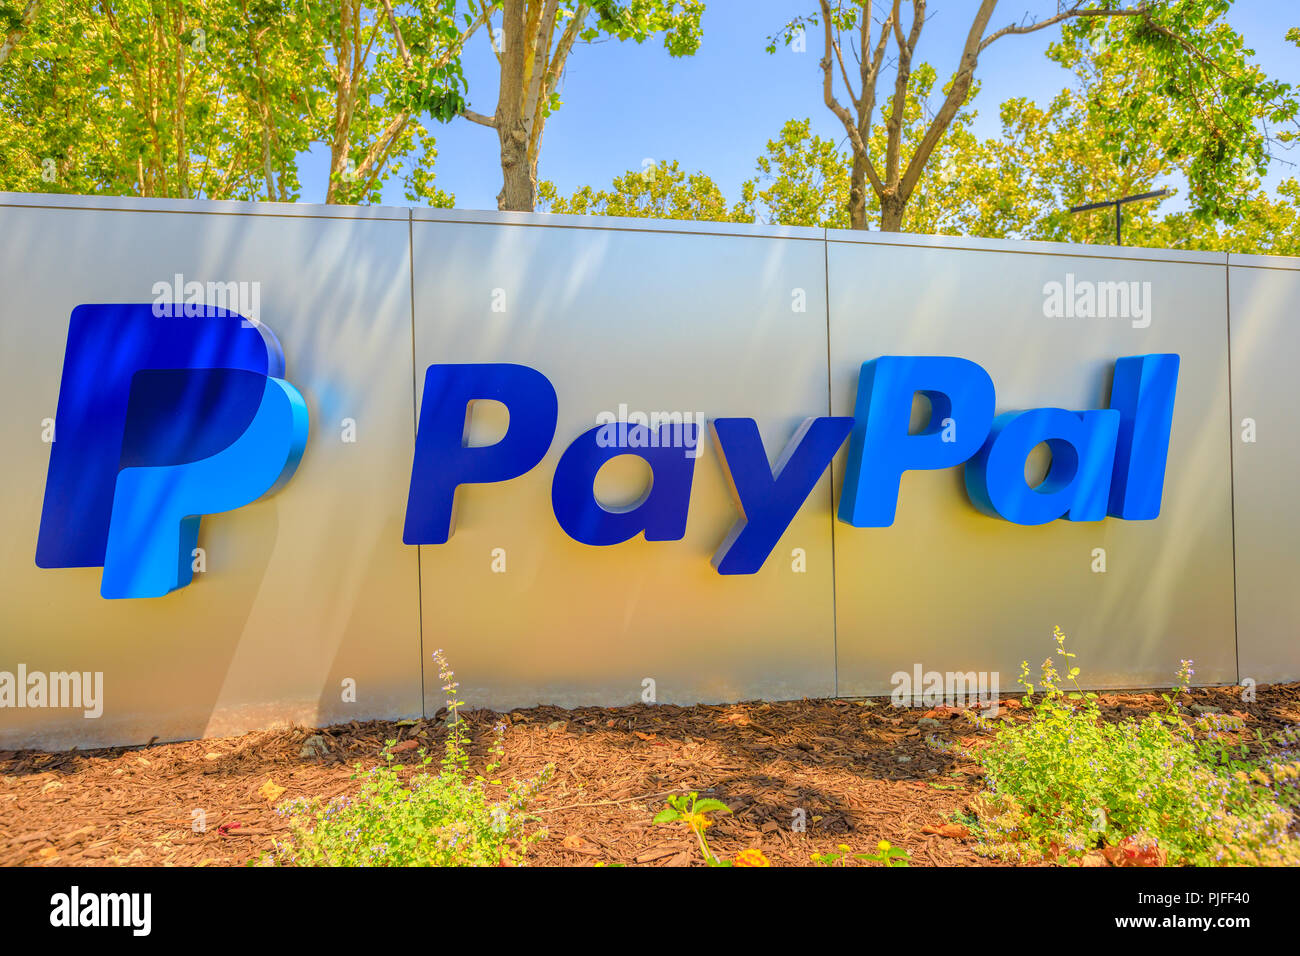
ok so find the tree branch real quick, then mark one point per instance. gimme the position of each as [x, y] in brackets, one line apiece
[834, 105]
[957, 93]
[16, 35]
[397, 34]
[1074, 13]
[378, 153]
[541, 41]
[903, 74]
[554, 69]
[479, 118]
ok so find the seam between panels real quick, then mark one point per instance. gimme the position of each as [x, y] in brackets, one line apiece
[415, 425]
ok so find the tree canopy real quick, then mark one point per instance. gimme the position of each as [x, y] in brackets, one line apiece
[222, 99]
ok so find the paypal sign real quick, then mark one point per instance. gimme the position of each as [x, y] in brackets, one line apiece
[161, 420]
[1109, 461]
[1104, 461]
[758, 563]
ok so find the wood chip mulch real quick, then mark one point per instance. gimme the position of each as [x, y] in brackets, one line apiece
[860, 772]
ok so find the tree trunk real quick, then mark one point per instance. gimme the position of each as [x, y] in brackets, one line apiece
[891, 213]
[340, 145]
[519, 184]
[518, 189]
[858, 193]
[338, 165]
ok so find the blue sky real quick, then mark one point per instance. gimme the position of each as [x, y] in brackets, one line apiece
[715, 112]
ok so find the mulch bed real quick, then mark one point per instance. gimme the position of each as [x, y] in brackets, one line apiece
[861, 771]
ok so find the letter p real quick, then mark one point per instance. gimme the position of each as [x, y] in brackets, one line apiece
[880, 448]
[161, 419]
[443, 462]
[157, 508]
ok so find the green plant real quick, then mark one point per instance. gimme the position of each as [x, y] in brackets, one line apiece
[1163, 788]
[886, 855]
[692, 811]
[448, 818]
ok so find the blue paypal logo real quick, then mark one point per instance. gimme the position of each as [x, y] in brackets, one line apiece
[1105, 461]
[161, 420]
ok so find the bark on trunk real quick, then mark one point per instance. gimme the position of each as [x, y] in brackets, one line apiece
[338, 167]
[858, 187]
[891, 213]
[519, 184]
[518, 189]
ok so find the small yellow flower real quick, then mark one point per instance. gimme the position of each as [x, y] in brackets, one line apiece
[751, 858]
[883, 846]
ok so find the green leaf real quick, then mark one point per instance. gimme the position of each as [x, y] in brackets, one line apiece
[710, 805]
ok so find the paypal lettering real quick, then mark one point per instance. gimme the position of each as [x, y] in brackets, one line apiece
[1105, 462]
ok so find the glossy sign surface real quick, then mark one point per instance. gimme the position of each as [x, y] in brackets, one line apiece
[958, 590]
[733, 352]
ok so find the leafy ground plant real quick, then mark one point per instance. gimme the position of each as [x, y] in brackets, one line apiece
[447, 818]
[886, 855]
[692, 811]
[1164, 789]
